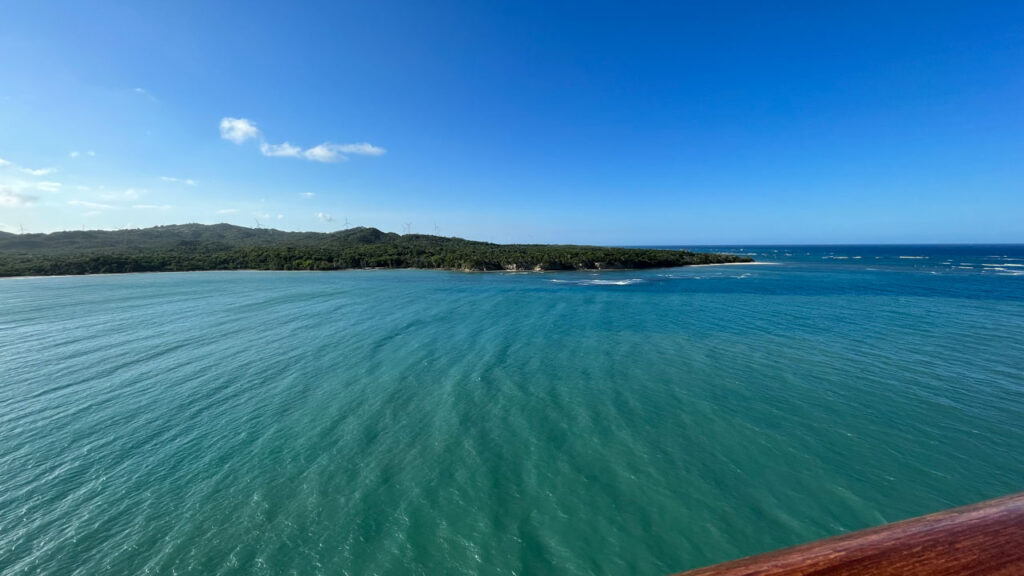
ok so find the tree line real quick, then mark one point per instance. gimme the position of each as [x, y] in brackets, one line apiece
[225, 247]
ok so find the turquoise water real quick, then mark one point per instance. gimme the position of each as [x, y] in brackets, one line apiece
[425, 422]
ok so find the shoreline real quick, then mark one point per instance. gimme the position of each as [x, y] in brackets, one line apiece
[458, 270]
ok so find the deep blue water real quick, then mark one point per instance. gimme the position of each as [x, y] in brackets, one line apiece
[426, 422]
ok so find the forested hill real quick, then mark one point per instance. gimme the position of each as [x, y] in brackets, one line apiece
[227, 247]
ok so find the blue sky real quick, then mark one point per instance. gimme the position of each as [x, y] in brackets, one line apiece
[595, 122]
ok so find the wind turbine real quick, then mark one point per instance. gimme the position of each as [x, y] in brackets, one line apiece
[408, 227]
[346, 223]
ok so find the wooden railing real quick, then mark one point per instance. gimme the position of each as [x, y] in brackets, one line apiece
[985, 538]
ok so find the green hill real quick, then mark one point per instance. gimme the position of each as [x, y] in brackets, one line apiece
[226, 247]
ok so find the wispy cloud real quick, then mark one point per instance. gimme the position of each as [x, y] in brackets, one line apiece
[328, 152]
[124, 200]
[39, 172]
[322, 153]
[228, 211]
[325, 217]
[30, 171]
[185, 181]
[11, 199]
[91, 205]
[20, 185]
[361, 149]
[144, 92]
[307, 194]
[240, 130]
[285, 149]
[129, 194]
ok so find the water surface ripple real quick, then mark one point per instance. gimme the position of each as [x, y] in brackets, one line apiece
[415, 422]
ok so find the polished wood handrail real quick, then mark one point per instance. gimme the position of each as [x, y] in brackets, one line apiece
[985, 538]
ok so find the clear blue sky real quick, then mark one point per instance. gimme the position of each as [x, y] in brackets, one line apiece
[596, 122]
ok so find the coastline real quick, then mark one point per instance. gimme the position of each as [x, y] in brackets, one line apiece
[372, 268]
[223, 247]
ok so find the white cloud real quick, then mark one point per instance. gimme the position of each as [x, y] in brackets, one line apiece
[285, 149]
[11, 199]
[185, 181]
[91, 153]
[325, 217]
[33, 172]
[362, 149]
[307, 194]
[74, 154]
[323, 153]
[238, 130]
[129, 194]
[127, 199]
[39, 172]
[328, 152]
[228, 211]
[280, 216]
[17, 185]
[144, 92]
[92, 205]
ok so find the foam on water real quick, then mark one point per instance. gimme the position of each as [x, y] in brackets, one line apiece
[599, 282]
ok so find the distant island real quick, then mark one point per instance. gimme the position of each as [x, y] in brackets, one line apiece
[226, 247]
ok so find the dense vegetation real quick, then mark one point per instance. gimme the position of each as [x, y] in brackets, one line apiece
[226, 247]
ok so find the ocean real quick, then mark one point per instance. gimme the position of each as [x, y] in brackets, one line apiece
[432, 422]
